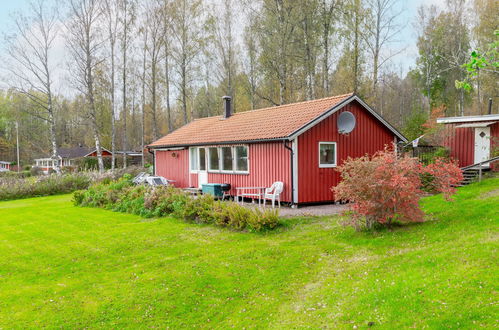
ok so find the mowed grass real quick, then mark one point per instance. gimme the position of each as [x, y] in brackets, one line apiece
[64, 266]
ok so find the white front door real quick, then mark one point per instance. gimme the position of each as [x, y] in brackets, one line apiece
[202, 173]
[482, 144]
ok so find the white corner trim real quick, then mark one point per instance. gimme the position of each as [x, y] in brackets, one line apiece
[338, 107]
[295, 170]
[155, 165]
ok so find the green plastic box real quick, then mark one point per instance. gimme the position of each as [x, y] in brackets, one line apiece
[213, 188]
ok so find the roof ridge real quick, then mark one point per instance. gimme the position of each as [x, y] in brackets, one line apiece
[280, 106]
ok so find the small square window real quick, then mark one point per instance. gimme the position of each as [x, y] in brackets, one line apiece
[327, 154]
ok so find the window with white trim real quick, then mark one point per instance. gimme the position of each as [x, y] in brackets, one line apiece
[193, 156]
[214, 159]
[227, 160]
[241, 158]
[202, 159]
[327, 154]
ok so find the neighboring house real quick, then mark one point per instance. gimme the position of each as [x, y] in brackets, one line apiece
[299, 144]
[68, 157]
[471, 139]
[4, 166]
[134, 157]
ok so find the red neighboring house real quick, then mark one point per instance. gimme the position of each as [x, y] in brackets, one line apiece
[471, 139]
[68, 157]
[298, 144]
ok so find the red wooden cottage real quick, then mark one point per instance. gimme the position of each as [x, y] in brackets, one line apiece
[299, 144]
[471, 139]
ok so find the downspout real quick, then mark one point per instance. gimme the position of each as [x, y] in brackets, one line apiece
[291, 156]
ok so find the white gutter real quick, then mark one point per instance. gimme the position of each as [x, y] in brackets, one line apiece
[463, 119]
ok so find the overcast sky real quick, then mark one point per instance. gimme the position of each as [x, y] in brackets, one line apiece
[406, 39]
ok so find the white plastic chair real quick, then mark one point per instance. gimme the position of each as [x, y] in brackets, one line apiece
[273, 193]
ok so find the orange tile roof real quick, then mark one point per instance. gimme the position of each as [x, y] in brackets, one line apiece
[262, 124]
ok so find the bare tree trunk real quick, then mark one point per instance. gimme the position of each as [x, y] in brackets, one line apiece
[112, 26]
[143, 99]
[167, 89]
[84, 45]
[356, 47]
[29, 52]
[124, 89]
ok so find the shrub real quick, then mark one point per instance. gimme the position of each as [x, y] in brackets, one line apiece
[123, 196]
[385, 188]
[35, 171]
[13, 174]
[17, 186]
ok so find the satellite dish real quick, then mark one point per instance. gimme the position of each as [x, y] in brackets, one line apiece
[346, 122]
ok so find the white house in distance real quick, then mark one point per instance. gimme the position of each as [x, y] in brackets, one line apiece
[67, 157]
[4, 166]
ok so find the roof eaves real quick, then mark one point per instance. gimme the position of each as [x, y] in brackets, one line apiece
[462, 119]
[215, 143]
[337, 107]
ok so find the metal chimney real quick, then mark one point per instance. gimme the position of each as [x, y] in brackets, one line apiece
[227, 106]
[490, 106]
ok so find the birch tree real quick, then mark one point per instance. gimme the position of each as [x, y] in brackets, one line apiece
[84, 44]
[188, 34]
[328, 11]
[154, 48]
[225, 46]
[29, 50]
[111, 15]
[167, 29]
[379, 30]
[127, 19]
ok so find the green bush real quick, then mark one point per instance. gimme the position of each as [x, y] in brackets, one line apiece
[123, 196]
[13, 174]
[17, 186]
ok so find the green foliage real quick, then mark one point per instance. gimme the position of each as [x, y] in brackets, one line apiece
[15, 188]
[123, 196]
[414, 126]
[24, 186]
[487, 60]
[14, 174]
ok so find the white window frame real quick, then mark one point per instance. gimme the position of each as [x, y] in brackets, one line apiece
[198, 154]
[193, 170]
[209, 160]
[234, 153]
[220, 159]
[335, 154]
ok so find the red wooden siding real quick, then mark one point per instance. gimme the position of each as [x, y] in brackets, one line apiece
[461, 142]
[268, 162]
[173, 167]
[369, 136]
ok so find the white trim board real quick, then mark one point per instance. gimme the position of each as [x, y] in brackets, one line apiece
[294, 195]
[339, 106]
[463, 119]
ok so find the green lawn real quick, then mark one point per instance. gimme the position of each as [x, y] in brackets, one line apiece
[63, 266]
